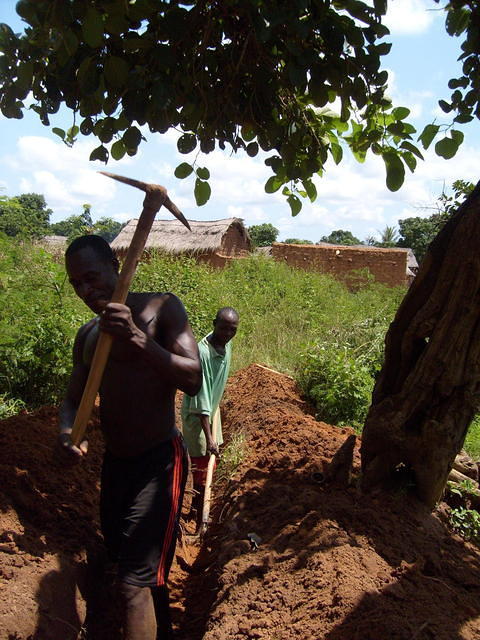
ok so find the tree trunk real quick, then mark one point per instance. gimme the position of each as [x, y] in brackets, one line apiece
[429, 388]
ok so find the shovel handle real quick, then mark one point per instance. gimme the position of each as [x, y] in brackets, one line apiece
[104, 342]
[207, 496]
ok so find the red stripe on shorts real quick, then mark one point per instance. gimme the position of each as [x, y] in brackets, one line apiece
[176, 491]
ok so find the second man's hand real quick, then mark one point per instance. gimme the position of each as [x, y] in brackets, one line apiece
[213, 448]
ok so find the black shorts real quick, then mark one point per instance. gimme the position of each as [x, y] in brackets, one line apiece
[140, 504]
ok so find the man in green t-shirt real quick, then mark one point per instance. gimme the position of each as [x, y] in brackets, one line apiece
[198, 411]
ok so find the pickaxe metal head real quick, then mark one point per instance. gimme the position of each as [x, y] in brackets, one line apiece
[156, 195]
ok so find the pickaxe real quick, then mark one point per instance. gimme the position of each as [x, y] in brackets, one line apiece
[155, 197]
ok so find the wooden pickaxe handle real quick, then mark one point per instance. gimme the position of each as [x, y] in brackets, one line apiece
[156, 196]
[207, 496]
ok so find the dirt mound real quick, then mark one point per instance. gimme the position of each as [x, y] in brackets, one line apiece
[330, 564]
[48, 521]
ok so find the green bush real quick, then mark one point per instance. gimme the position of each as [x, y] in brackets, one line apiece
[286, 317]
[337, 368]
[472, 441]
[38, 319]
[339, 385]
[466, 522]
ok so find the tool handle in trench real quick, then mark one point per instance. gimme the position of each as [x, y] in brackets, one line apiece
[104, 342]
[207, 496]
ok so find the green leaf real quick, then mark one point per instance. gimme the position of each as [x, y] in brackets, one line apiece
[73, 132]
[340, 125]
[203, 173]
[295, 204]
[411, 147]
[70, 41]
[183, 170]
[86, 126]
[100, 153]
[463, 118]
[132, 137]
[6, 34]
[428, 134]
[410, 161]
[395, 170]
[92, 28]
[202, 192]
[457, 21]
[247, 133]
[384, 48]
[444, 106]
[396, 128]
[273, 184]
[118, 150]
[59, 132]
[400, 113]
[24, 79]
[458, 136]
[446, 148]
[311, 190]
[116, 71]
[337, 152]
[187, 143]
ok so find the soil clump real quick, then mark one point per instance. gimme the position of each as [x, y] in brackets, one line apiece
[325, 561]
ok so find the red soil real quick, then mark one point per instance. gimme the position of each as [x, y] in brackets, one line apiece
[332, 564]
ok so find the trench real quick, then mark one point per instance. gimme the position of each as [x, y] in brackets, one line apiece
[331, 563]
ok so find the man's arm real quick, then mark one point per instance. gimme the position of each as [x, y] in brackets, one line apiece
[212, 446]
[176, 359]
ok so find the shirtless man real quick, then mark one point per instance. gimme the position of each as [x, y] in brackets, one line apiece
[145, 464]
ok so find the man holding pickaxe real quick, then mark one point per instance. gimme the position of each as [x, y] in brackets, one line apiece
[152, 353]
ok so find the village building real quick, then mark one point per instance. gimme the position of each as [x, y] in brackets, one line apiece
[215, 242]
[55, 245]
[393, 267]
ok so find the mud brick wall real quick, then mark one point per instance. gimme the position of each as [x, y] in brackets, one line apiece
[234, 243]
[386, 265]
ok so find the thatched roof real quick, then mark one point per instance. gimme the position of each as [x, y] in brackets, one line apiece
[53, 244]
[173, 237]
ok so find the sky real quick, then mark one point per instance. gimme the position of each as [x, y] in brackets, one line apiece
[351, 196]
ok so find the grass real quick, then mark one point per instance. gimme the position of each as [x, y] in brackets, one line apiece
[232, 456]
[472, 441]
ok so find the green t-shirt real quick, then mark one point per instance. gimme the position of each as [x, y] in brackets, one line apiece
[215, 375]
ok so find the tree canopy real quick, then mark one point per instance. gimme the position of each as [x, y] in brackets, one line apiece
[78, 225]
[26, 215]
[248, 75]
[341, 237]
[297, 241]
[262, 235]
[417, 233]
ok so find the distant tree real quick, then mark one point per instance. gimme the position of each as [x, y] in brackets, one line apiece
[388, 238]
[262, 235]
[341, 237]
[297, 241]
[82, 224]
[74, 226]
[417, 233]
[370, 241]
[25, 215]
[108, 228]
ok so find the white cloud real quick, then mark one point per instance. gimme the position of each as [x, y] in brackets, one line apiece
[64, 175]
[407, 17]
